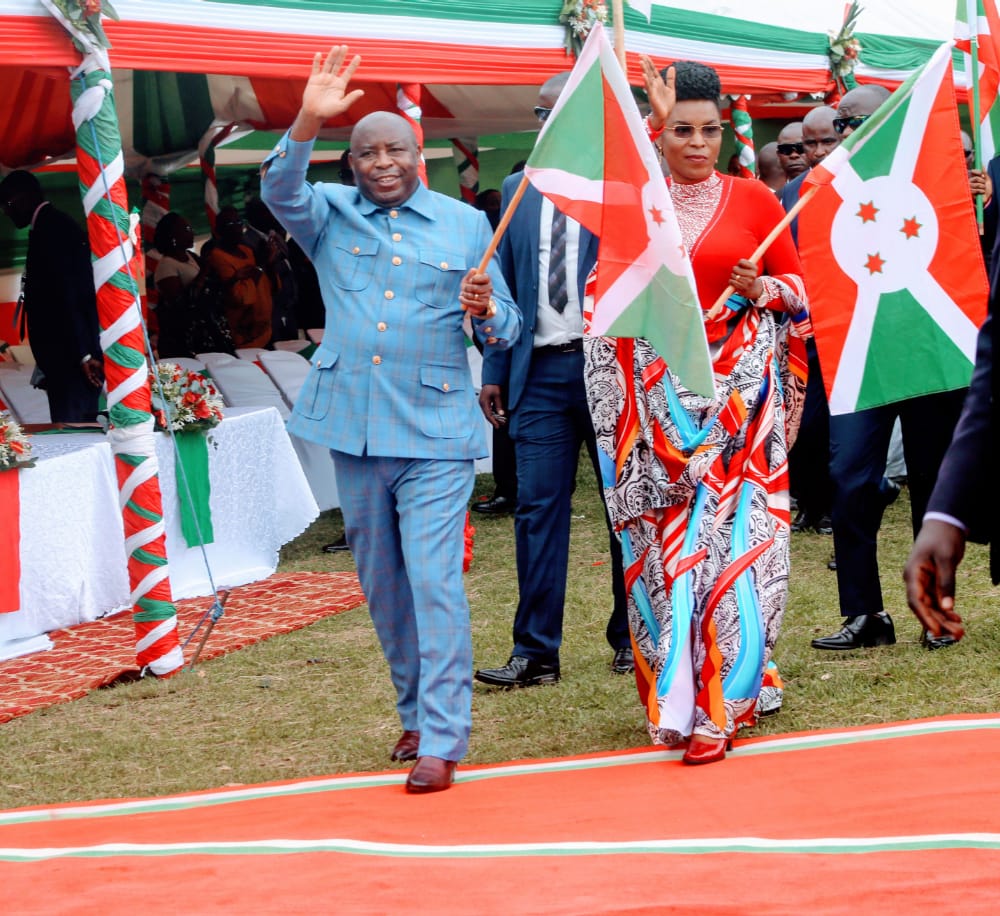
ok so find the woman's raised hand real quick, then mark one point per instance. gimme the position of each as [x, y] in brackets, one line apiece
[660, 92]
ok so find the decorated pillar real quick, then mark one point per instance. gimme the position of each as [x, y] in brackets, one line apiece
[114, 245]
[466, 153]
[743, 129]
[206, 157]
[408, 103]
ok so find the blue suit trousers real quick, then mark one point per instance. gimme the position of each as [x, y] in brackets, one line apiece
[404, 519]
[548, 426]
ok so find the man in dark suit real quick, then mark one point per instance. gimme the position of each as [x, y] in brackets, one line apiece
[859, 446]
[59, 301]
[545, 259]
[963, 505]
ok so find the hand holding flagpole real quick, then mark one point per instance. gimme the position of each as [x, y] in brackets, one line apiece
[716, 309]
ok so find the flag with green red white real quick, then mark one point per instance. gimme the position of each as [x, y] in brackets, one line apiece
[977, 22]
[892, 257]
[594, 161]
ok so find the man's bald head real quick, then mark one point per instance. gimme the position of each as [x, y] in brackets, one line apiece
[551, 89]
[385, 158]
[860, 102]
[818, 136]
[769, 168]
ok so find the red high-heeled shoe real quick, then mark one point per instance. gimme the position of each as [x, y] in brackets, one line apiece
[706, 750]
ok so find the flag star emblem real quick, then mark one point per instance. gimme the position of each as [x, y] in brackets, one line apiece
[911, 228]
[875, 263]
[866, 212]
[656, 215]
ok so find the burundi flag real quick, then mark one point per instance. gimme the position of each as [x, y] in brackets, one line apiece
[892, 259]
[979, 21]
[593, 159]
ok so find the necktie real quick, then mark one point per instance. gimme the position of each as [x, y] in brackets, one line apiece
[557, 262]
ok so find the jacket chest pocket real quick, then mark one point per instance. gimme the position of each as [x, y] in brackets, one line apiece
[353, 263]
[439, 275]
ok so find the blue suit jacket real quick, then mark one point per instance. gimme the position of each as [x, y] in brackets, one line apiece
[789, 197]
[391, 377]
[518, 255]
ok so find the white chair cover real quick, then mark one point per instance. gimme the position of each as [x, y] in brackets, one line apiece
[243, 384]
[188, 363]
[295, 346]
[27, 404]
[288, 371]
[249, 353]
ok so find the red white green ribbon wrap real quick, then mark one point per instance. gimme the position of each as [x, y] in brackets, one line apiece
[206, 156]
[408, 103]
[466, 154]
[116, 255]
[743, 129]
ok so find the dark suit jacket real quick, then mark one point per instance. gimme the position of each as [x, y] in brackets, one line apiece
[59, 300]
[788, 197]
[518, 254]
[967, 486]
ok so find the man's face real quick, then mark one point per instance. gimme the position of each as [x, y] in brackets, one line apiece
[791, 152]
[386, 161]
[17, 207]
[818, 136]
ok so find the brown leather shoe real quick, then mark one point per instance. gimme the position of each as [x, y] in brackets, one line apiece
[407, 746]
[431, 774]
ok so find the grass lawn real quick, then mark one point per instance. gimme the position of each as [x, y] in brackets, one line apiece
[319, 701]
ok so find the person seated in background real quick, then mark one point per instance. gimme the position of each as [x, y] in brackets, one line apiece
[268, 239]
[178, 269]
[247, 287]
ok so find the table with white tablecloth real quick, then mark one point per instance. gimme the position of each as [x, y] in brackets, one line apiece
[72, 548]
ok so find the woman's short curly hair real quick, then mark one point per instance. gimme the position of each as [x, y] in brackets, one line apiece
[695, 81]
[163, 234]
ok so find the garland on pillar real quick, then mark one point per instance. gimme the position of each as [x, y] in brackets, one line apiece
[100, 164]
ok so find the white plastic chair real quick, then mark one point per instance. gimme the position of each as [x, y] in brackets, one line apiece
[242, 383]
[27, 404]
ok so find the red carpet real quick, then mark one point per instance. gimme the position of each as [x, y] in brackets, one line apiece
[95, 654]
[900, 818]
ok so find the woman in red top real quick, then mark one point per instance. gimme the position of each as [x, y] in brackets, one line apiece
[700, 493]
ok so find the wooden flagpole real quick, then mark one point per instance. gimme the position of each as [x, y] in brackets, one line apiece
[763, 246]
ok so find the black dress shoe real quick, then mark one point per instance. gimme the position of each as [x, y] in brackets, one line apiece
[337, 545]
[861, 632]
[499, 505]
[407, 746]
[802, 521]
[824, 525]
[623, 662]
[833, 563]
[431, 774]
[936, 642]
[519, 672]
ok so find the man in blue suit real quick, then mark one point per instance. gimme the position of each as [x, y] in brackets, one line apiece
[546, 259]
[391, 395]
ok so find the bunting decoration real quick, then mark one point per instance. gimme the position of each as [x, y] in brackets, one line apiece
[743, 130]
[115, 253]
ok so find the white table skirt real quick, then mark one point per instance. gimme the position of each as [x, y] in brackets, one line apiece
[73, 563]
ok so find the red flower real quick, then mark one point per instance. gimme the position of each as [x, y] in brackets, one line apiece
[202, 411]
[190, 398]
[91, 7]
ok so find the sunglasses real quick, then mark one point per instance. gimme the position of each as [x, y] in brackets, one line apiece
[542, 113]
[787, 149]
[687, 131]
[842, 124]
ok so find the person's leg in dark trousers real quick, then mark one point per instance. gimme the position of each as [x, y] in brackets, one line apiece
[809, 459]
[927, 423]
[504, 462]
[859, 444]
[547, 438]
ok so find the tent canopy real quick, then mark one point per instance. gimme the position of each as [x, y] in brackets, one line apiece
[183, 64]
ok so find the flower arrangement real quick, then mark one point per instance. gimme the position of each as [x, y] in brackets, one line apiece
[83, 17]
[15, 449]
[579, 17]
[844, 47]
[183, 400]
